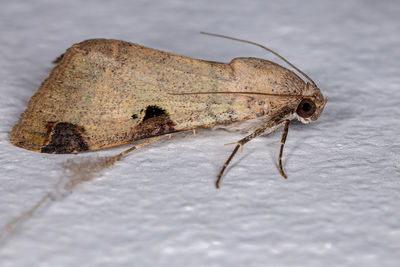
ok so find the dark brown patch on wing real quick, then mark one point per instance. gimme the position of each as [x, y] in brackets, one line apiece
[156, 121]
[152, 127]
[65, 138]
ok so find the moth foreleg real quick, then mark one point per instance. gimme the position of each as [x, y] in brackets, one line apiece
[226, 165]
[283, 141]
[272, 124]
[262, 130]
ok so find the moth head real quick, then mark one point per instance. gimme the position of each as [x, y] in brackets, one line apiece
[311, 105]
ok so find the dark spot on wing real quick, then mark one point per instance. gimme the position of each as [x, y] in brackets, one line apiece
[65, 138]
[134, 116]
[152, 112]
[156, 121]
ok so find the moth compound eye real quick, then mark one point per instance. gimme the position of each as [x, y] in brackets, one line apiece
[306, 108]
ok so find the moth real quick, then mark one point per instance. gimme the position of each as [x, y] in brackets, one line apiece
[105, 93]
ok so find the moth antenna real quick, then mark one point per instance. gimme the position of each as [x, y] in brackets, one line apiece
[264, 47]
[241, 93]
[283, 141]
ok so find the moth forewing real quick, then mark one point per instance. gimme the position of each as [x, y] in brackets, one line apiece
[105, 93]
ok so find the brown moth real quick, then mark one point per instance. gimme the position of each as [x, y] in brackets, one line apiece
[105, 93]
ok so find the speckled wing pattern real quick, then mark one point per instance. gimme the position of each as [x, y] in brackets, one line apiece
[104, 93]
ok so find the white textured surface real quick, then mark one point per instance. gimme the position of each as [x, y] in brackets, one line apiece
[158, 207]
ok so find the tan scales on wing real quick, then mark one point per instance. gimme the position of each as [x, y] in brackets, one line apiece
[101, 88]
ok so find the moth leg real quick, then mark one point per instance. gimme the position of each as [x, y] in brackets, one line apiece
[226, 165]
[274, 122]
[235, 143]
[146, 142]
[283, 141]
[194, 132]
[265, 129]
